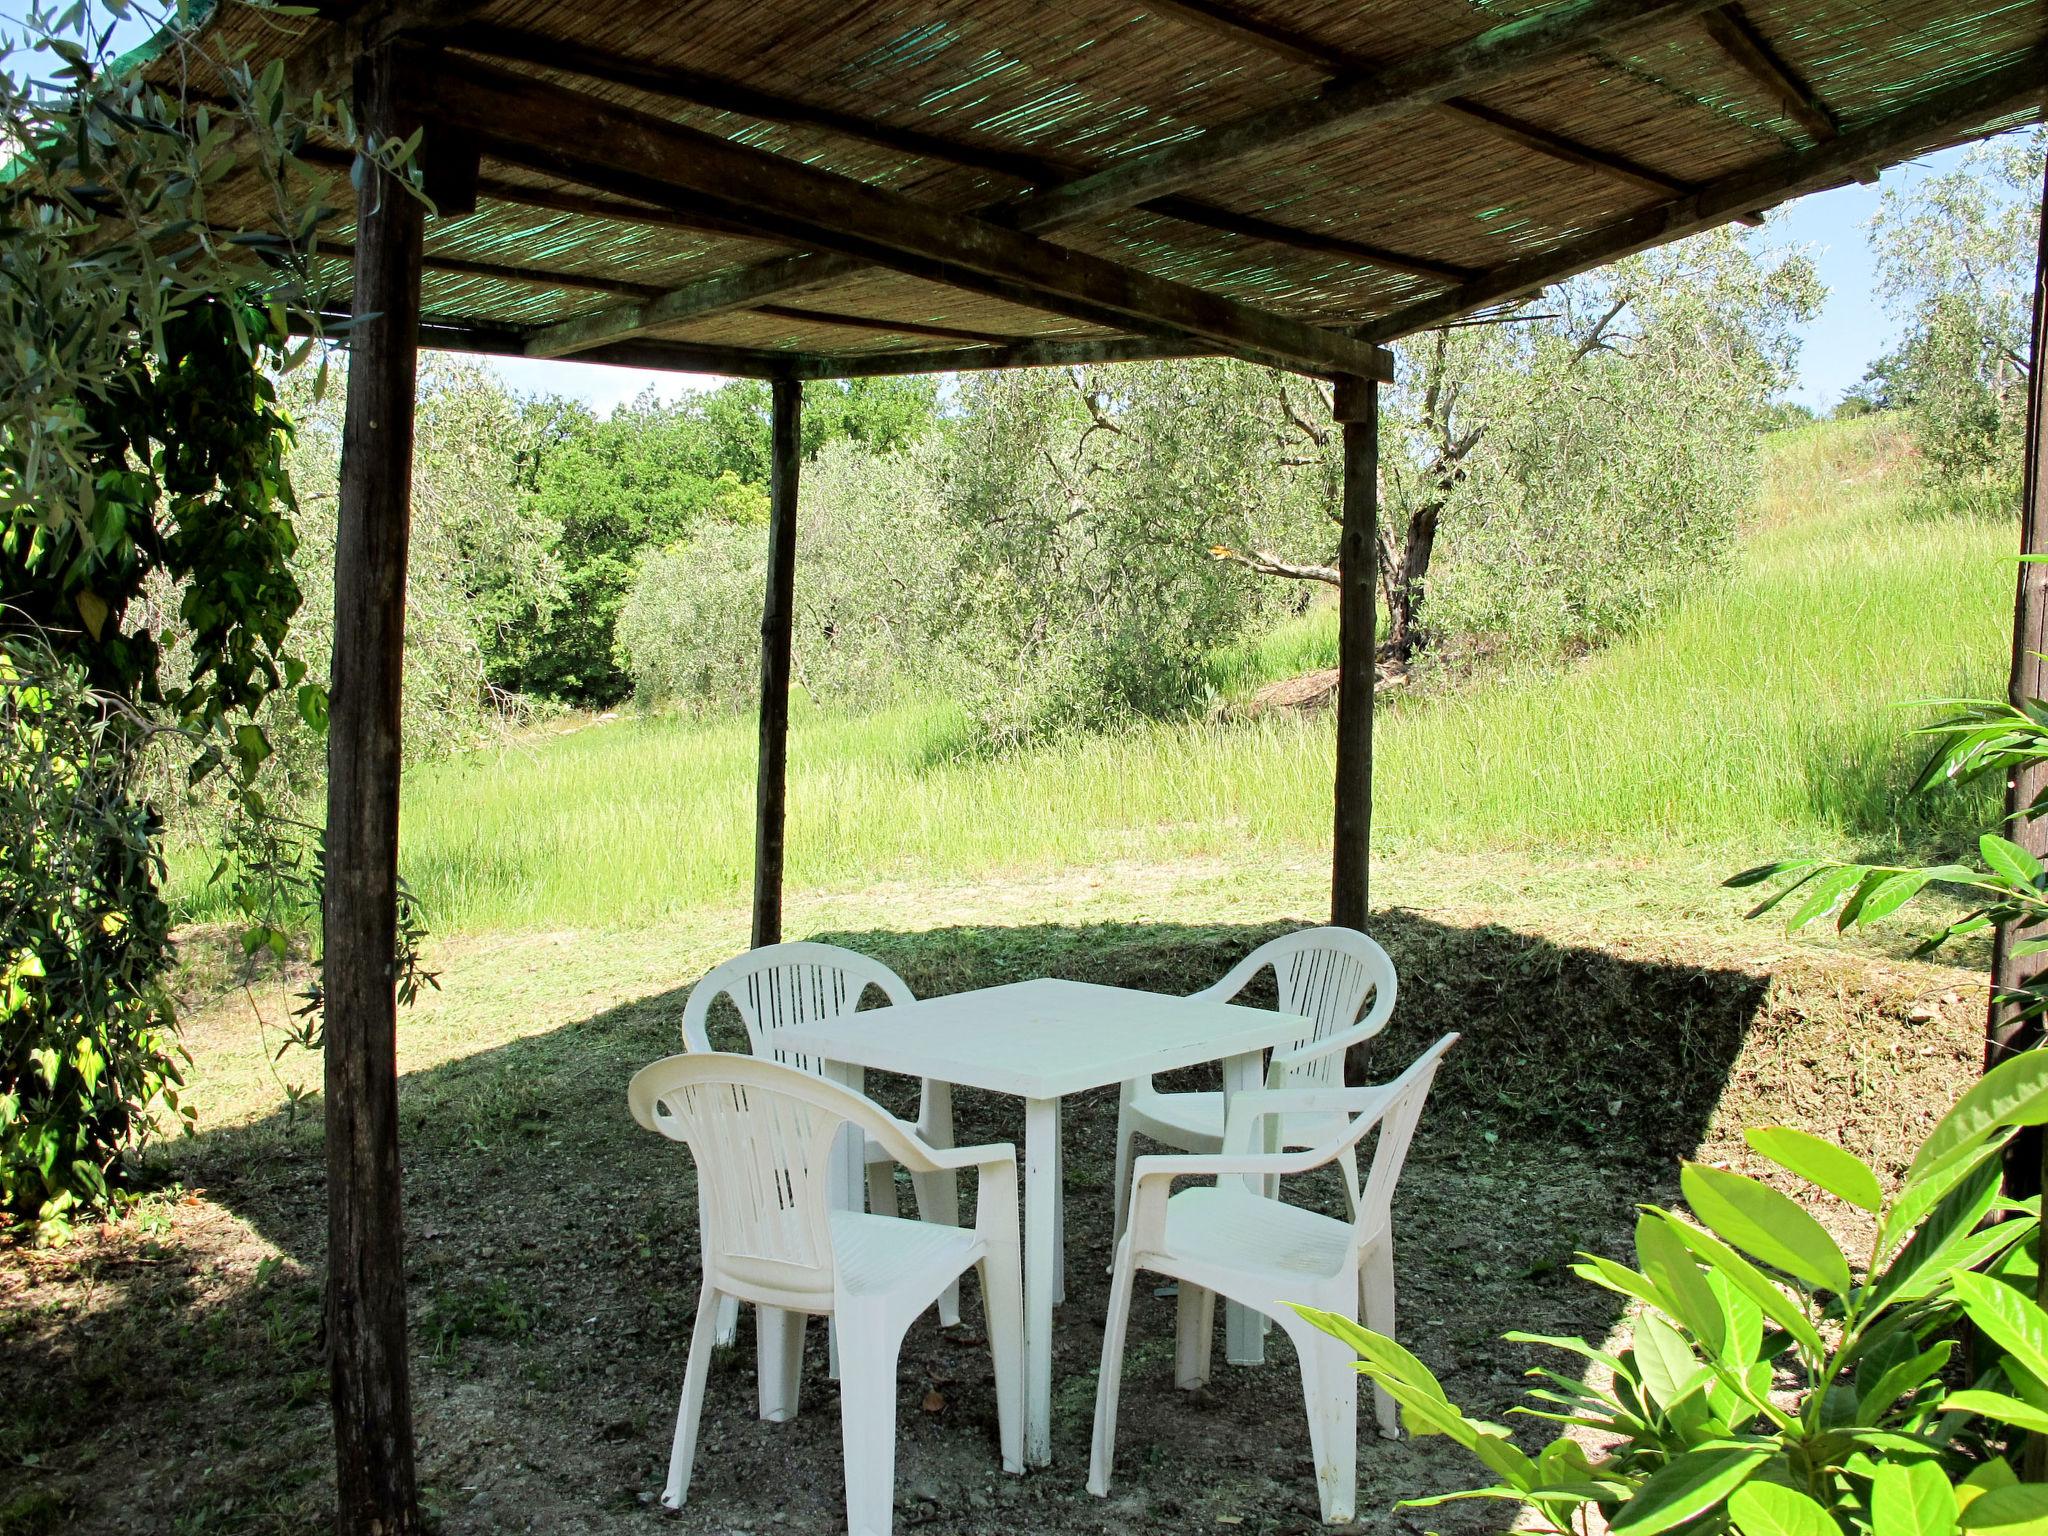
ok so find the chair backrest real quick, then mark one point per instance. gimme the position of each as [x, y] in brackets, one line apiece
[1324, 975]
[762, 1136]
[779, 985]
[1396, 1119]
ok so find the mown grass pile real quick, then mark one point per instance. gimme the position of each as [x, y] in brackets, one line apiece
[1763, 715]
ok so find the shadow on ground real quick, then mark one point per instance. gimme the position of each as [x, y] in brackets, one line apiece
[552, 1268]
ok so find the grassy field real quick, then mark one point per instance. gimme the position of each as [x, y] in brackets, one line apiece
[1763, 715]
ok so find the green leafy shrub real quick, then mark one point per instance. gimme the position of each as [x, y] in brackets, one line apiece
[87, 1053]
[1771, 1388]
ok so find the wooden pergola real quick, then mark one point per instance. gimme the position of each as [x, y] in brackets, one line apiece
[841, 188]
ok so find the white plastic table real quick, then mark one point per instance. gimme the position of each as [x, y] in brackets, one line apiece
[1039, 1041]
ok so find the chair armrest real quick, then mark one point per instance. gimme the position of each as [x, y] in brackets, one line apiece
[1152, 1179]
[1249, 1111]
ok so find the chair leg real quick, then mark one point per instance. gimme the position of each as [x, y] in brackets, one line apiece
[938, 1194]
[1124, 1135]
[1194, 1331]
[1002, 1305]
[1329, 1386]
[728, 1321]
[682, 1454]
[779, 1361]
[1376, 1302]
[882, 1190]
[1102, 1453]
[872, 1341]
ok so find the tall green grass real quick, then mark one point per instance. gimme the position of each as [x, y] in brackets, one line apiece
[1761, 716]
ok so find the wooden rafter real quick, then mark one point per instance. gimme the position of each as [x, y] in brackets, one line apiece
[1736, 35]
[1986, 98]
[1312, 53]
[892, 327]
[501, 272]
[619, 150]
[698, 88]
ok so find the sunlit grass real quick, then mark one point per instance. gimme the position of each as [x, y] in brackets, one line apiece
[1760, 717]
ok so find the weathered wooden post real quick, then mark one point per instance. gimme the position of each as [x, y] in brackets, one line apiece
[777, 619]
[1357, 411]
[2028, 681]
[370, 1383]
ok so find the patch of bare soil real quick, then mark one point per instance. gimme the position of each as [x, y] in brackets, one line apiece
[166, 1375]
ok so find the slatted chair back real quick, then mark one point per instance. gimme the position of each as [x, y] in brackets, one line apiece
[761, 1134]
[779, 985]
[1325, 975]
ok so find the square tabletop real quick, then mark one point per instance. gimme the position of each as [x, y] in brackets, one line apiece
[1042, 1039]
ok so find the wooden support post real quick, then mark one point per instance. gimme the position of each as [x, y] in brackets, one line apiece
[777, 617]
[1357, 409]
[2005, 1032]
[370, 1385]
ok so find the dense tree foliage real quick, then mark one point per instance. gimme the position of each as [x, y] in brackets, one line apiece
[1066, 553]
[647, 478]
[140, 447]
[1955, 255]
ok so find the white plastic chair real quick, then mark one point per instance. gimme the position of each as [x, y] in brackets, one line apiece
[1322, 974]
[1232, 1238]
[811, 983]
[762, 1136]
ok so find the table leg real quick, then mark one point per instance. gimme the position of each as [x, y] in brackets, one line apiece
[1041, 1217]
[1244, 1333]
[846, 1176]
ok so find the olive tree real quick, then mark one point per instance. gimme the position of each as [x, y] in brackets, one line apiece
[1955, 260]
[1552, 471]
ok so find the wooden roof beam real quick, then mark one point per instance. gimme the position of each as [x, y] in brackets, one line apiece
[1737, 36]
[1047, 352]
[1352, 101]
[1936, 120]
[888, 327]
[700, 89]
[639, 154]
[1310, 53]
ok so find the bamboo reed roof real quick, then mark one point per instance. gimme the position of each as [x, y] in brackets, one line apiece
[1654, 120]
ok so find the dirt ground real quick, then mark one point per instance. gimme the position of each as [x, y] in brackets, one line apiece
[165, 1374]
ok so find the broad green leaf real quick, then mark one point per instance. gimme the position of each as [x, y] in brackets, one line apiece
[1687, 1487]
[1821, 1162]
[1897, 1380]
[1766, 1225]
[1669, 1369]
[1998, 1406]
[1890, 894]
[1601, 1271]
[2008, 860]
[1949, 1197]
[1378, 1349]
[2015, 1092]
[2019, 1509]
[1752, 1282]
[1669, 1265]
[1763, 872]
[1768, 1509]
[1825, 891]
[2007, 1318]
[1912, 1499]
